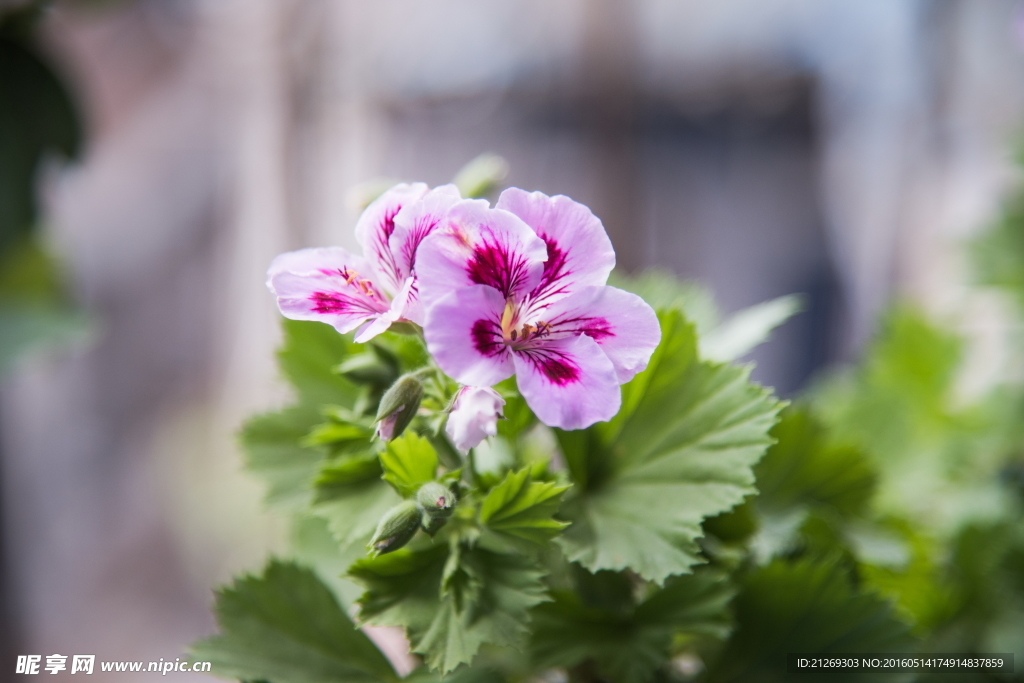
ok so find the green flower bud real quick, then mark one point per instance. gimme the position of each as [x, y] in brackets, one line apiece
[436, 500]
[396, 527]
[431, 525]
[398, 406]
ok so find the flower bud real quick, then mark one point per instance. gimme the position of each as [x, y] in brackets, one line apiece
[431, 525]
[436, 500]
[396, 527]
[398, 406]
[474, 416]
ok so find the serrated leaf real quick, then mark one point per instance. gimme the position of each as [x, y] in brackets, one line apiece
[352, 511]
[345, 472]
[272, 451]
[681, 449]
[273, 441]
[804, 606]
[337, 433]
[286, 625]
[629, 644]
[308, 357]
[664, 291]
[747, 329]
[409, 462]
[404, 588]
[313, 546]
[523, 508]
[804, 468]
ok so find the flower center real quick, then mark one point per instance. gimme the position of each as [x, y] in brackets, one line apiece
[365, 285]
[513, 333]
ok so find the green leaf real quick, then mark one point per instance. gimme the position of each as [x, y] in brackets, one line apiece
[285, 625]
[681, 449]
[999, 252]
[346, 471]
[308, 357]
[938, 460]
[37, 118]
[518, 416]
[664, 292]
[352, 511]
[748, 328]
[409, 462]
[804, 606]
[34, 310]
[805, 468]
[481, 175]
[523, 508]
[35, 326]
[313, 545]
[629, 645]
[274, 442]
[272, 451]
[405, 588]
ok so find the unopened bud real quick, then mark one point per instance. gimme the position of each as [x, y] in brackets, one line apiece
[436, 500]
[431, 525]
[474, 416]
[396, 527]
[398, 407]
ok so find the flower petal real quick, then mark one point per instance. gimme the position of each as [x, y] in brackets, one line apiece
[579, 251]
[412, 225]
[326, 284]
[474, 416]
[463, 333]
[624, 325]
[377, 224]
[568, 383]
[478, 245]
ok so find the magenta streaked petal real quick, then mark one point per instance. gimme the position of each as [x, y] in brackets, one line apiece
[624, 325]
[315, 260]
[463, 333]
[377, 224]
[404, 305]
[418, 219]
[579, 251]
[569, 383]
[373, 327]
[478, 245]
[329, 285]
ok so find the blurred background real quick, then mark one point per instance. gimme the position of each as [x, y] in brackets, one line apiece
[843, 149]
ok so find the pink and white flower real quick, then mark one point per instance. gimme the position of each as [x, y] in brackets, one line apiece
[368, 292]
[520, 289]
[474, 416]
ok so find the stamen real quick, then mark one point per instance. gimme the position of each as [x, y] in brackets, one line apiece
[507, 317]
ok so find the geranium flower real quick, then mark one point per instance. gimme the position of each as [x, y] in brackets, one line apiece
[369, 292]
[474, 416]
[520, 289]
